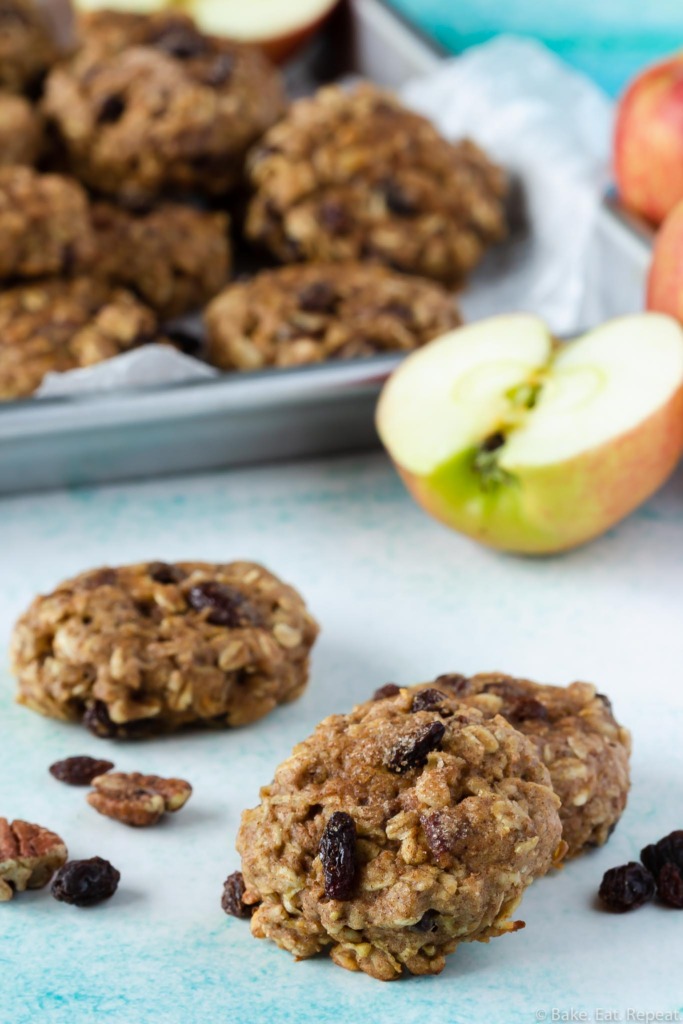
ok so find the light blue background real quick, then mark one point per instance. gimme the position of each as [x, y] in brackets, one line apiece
[609, 39]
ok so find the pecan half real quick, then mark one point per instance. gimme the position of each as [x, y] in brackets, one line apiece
[29, 857]
[137, 799]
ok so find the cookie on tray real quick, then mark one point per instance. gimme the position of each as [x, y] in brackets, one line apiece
[21, 131]
[27, 45]
[161, 108]
[44, 224]
[304, 314]
[174, 257]
[577, 736]
[59, 325]
[355, 175]
[393, 833]
[150, 648]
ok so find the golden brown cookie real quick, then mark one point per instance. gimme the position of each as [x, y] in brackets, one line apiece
[27, 45]
[392, 834]
[150, 648]
[21, 131]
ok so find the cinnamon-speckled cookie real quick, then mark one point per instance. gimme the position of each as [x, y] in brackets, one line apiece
[21, 131]
[577, 737]
[59, 325]
[27, 45]
[394, 833]
[305, 314]
[174, 257]
[355, 175]
[151, 105]
[150, 648]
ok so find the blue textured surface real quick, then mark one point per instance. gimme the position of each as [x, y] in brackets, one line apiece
[399, 598]
[610, 40]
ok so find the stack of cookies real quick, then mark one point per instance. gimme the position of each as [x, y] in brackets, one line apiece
[124, 162]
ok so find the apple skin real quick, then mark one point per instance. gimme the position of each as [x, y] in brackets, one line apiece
[557, 507]
[281, 49]
[665, 279]
[648, 141]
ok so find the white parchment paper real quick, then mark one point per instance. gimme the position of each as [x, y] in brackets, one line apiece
[549, 126]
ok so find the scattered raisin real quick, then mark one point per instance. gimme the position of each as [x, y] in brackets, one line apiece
[84, 883]
[111, 110]
[388, 690]
[97, 720]
[228, 606]
[400, 311]
[318, 297]
[164, 573]
[232, 899]
[411, 751]
[100, 578]
[398, 201]
[338, 856]
[626, 887]
[670, 885]
[181, 42]
[220, 71]
[668, 850]
[525, 709]
[335, 217]
[79, 771]
[429, 700]
[429, 922]
[458, 684]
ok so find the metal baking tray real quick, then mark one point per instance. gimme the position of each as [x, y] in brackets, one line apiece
[268, 415]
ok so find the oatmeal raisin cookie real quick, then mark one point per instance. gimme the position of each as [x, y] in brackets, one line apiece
[174, 257]
[304, 314]
[349, 176]
[579, 740]
[392, 834]
[60, 325]
[21, 131]
[27, 45]
[44, 224]
[150, 648]
[160, 107]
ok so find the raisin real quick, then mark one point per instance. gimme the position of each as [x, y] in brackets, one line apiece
[181, 42]
[84, 883]
[411, 751]
[429, 700]
[79, 771]
[335, 217]
[220, 71]
[97, 720]
[388, 690]
[526, 709]
[458, 684]
[228, 607]
[606, 701]
[398, 201]
[318, 297]
[162, 572]
[399, 310]
[429, 922]
[627, 887]
[668, 850]
[100, 578]
[338, 856]
[232, 899]
[111, 110]
[670, 885]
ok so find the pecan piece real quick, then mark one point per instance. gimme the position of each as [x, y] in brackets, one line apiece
[137, 799]
[29, 857]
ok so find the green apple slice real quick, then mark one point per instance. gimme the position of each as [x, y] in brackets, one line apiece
[533, 446]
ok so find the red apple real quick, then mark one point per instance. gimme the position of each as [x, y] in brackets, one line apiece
[665, 279]
[531, 446]
[648, 141]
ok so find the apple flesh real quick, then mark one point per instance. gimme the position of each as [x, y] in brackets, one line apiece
[648, 141]
[532, 446]
[279, 27]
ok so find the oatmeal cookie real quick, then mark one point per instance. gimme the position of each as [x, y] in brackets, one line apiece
[44, 224]
[174, 257]
[162, 108]
[392, 834]
[358, 176]
[27, 45]
[579, 740]
[305, 314]
[150, 648]
[60, 325]
[21, 131]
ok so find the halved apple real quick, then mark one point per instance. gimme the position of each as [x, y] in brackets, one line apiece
[533, 446]
[279, 27]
